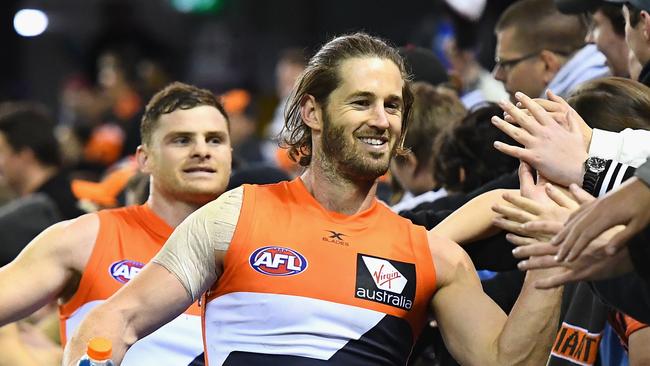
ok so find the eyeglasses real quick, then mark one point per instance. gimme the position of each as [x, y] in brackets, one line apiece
[507, 65]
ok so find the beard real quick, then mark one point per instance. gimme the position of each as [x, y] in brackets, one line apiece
[348, 158]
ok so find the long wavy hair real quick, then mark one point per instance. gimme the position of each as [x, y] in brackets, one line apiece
[321, 77]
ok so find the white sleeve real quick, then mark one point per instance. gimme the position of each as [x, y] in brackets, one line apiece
[189, 253]
[629, 146]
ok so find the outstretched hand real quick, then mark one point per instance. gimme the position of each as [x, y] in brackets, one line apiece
[591, 265]
[556, 147]
[537, 201]
[626, 206]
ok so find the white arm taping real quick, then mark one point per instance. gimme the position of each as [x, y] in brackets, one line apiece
[189, 253]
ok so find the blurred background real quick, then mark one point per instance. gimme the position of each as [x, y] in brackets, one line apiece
[219, 44]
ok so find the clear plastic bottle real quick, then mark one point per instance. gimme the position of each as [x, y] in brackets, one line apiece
[98, 353]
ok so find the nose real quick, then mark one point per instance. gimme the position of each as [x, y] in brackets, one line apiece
[380, 118]
[201, 149]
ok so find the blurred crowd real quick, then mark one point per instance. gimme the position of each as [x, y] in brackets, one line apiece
[568, 82]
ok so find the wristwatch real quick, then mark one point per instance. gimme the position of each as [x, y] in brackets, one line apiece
[594, 167]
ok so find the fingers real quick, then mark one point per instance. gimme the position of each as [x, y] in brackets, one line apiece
[520, 117]
[513, 213]
[520, 240]
[516, 133]
[543, 227]
[620, 240]
[580, 194]
[557, 280]
[535, 249]
[541, 262]
[508, 225]
[588, 232]
[514, 151]
[523, 203]
[557, 99]
[550, 106]
[540, 115]
[560, 197]
[526, 180]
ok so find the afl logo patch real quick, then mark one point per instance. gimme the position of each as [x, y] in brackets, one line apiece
[277, 261]
[125, 270]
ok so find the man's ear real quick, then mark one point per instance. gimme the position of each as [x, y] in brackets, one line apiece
[552, 64]
[142, 157]
[311, 113]
[645, 19]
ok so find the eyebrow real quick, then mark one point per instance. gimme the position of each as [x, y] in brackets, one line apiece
[367, 94]
[210, 134]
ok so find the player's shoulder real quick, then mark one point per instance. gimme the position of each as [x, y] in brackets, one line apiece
[69, 241]
[81, 229]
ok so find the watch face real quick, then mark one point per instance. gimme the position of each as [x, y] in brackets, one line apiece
[596, 165]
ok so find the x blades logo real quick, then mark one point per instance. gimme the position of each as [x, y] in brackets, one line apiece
[335, 237]
[385, 281]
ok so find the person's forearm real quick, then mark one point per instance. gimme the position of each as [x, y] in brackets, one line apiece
[528, 334]
[103, 321]
[473, 221]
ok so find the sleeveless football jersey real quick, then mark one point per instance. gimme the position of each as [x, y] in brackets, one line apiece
[128, 238]
[305, 286]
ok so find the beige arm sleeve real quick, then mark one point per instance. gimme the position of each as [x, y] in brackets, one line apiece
[189, 251]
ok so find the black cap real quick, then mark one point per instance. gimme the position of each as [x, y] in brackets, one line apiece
[576, 6]
[583, 6]
[424, 65]
[640, 4]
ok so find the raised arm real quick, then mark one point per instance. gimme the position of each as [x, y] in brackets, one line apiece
[472, 221]
[475, 329]
[47, 268]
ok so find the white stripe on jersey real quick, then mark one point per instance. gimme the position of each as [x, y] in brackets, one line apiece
[282, 325]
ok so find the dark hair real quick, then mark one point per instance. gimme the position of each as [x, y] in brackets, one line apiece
[28, 125]
[321, 77]
[173, 97]
[634, 14]
[432, 110]
[468, 144]
[540, 26]
[615, 15]
[613, 104]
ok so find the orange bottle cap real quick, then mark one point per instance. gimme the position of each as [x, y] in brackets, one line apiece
[99, 349]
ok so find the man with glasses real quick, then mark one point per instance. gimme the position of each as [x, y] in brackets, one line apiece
[539, 48]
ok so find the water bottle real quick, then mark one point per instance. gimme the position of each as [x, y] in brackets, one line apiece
[98, 353]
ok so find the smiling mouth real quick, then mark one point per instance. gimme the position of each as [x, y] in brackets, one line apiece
[373, 141]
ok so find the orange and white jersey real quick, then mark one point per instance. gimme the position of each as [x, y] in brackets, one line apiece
[305, 286]
[128, 238]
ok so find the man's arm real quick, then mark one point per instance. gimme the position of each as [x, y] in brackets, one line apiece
[475, 329]
[147, 302]
[473, 220]
[45, 268]
[188, 264]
